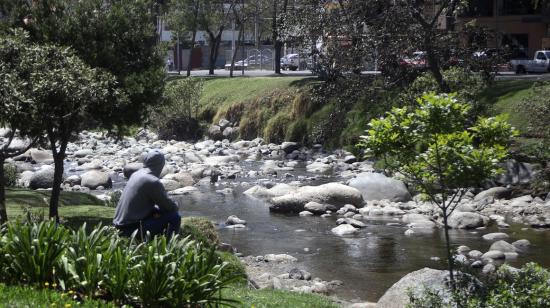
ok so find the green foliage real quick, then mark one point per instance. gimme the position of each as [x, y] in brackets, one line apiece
[234, 265]
[25, 296]
[33, 251]
[200, 229]
[467, 85]
[176, 272]
[176, 118]
[10, 175]
[274, 131]
[118, 37]
[114, 197]
[297, 131]
[523, 288]
[537, 105]
[277, 298]
[433, 147]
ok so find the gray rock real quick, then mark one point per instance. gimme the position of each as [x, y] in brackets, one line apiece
[495, 192]
[351, 221]
[397, 296]
[350, 159]
[521, 245]
[495, 236]
[319, 167]
[289, 147]
[305, 213]
[463, 249]
[41, 157]
[475, 254]
[42, 178]
[170, 185]
[231, 133]
[223, 123]
[182, 178]
[493, 255]
[502, 246]
[299, 274]
[344, 229]
[467, 220]
[215, 132]
[318, 208]
[489, 268]
[73, 180]
[234, 220]
[130, 168]
[94, 178]
[83, 153]
[331, 193]
[376, 186]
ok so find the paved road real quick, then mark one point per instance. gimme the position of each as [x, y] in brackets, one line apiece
[270, 73]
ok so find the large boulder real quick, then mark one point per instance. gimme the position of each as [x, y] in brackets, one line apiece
[467, 220]
[130, 168]
[344, 229]
[182, 178]
[289, 147]
[331, 193]
[170, 185]
[376, 186]
[41, 156]
[215, 132]
[278, 190]
[42, 178]
[95, 178]
[495, 192]
[416, 282]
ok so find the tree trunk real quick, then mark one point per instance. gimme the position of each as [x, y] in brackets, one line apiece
[448, 248]
[276, 47]
[191, 52]
[234, 57]
[433, 65]
[59, 158]
[3, 213]
[214, 48]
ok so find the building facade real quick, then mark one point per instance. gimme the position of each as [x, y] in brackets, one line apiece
[519, 25]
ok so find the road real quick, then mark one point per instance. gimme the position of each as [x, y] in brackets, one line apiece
[270, 73]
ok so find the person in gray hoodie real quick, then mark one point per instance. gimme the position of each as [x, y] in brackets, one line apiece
[144, 204]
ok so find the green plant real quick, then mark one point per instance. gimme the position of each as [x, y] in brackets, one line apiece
[10, 175]
[34, 250]
[83, 265]
[434, 147]
[200, 229]
[275, 128]
[121, 265]
[114, 197]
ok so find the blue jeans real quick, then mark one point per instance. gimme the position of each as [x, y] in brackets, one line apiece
[167, 224]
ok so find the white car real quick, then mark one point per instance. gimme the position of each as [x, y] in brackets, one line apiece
[290, 62]
[539, 64]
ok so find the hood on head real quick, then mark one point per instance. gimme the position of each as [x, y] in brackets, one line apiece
[154, 161]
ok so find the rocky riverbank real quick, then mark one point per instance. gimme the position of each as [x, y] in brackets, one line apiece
[300, 181]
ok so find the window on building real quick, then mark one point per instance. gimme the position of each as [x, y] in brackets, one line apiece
[516, 7]
[478, 8]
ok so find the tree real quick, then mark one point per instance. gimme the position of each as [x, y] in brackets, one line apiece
[213, 19]
[276, 26]
[16, 101]
[435, 150]
[116, 35]
[67, 93]
[183, 17]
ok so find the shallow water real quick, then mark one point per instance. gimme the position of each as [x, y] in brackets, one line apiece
[368, 263]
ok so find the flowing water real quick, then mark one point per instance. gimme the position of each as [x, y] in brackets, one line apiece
[368, 263]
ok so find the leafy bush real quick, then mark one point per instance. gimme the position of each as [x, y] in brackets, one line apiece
[297, 131]
[176, 119]
[200, 229]
[10, 175]
[114, 197]
[175, 273]
[526, 287]
[275, 129]
[468, 86]
[234, 265]
[34, 250]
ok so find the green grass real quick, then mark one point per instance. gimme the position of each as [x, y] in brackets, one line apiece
[505, 96]
[23, 296]
[276, 298]
[222, 92]
[37, 198]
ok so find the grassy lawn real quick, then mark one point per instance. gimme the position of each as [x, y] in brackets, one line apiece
[226, 91]
[23, 296]
[505, 96]
[74, 208]
[275, 298]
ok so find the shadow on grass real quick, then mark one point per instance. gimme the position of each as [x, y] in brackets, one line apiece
[503, 88]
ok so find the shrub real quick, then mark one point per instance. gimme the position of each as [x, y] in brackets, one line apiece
[275, 129]
[176, 119]
[297, 131]
[10, 175]
[200, 229]
[114, 197]
[34, 250]
[234, 265]
[526, 287]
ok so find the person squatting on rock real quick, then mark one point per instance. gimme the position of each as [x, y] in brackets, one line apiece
[144, 204]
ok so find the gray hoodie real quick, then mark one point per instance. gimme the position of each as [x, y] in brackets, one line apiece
[142, 192]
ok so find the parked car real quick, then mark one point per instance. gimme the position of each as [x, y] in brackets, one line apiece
[539, 64]
[255, 61]
[416, 61]
[290, 62]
